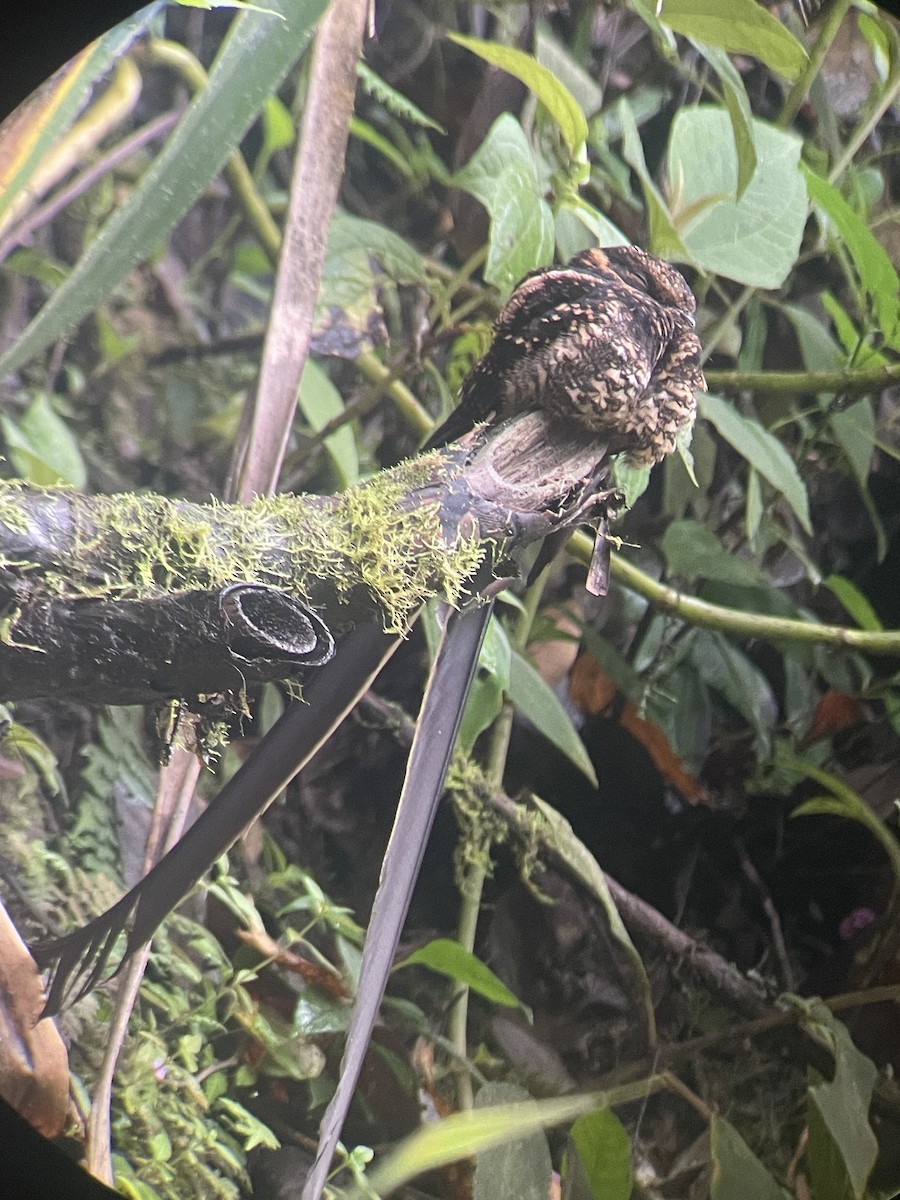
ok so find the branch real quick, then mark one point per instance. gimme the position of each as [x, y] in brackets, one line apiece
[795, 383]
[732, 620]
[106, 596]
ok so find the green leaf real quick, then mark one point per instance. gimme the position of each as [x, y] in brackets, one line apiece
[876, 271]
[736, 1171]
[842, 801]
[468, 1133]
[724, 669]
[321, 402]
[558, 833]
[853, 428]
[42, 447]
[854, 602]
[254, 58]
[490, 682]
[449, 958]
[394, 101]
[602, 1148]
[502, 175]
[842, 1129]
[737, 102]
[693, 551]
[554, 95]
[740, 27]
[664, 238]
[754, 239]
[540, 704]
[71, 88]
[520, 1169]
[359, 257]
[761, 449]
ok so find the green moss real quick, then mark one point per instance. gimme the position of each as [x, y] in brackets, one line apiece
[378, 536]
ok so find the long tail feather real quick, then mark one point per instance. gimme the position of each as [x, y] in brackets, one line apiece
[436, 730]
[79, 959]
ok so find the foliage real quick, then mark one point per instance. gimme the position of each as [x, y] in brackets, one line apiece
[160, 278]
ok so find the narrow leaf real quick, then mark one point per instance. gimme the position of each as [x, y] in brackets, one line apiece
[554, 95]
[761, 449]
[854, 602]
[737, 102]
[540, 704]
[253, 60]
[321, 402]
[877, 273]
[449, 958]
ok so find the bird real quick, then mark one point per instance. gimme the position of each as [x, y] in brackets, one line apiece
[606, 342]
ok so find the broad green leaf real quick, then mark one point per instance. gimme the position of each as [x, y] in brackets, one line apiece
[761, 449]
[316, 1013]
[738, 26]
[693, 551]
[360, 257]
[449, 958]
[256, 55]
[736, 1171]
[321, 402]
[754, 239]
[540, 704]
[601, 1145]
[554, 95]
[664, 238]
[842, 1106]
[737, 102]
[42, 448]
[502, 175]
[52, 109]
[854, 602]
[519, 1169]
[559, 834]
[876, 271]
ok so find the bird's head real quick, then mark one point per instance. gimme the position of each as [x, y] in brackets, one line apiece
[643, 272]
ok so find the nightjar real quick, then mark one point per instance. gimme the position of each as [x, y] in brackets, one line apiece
[607, 342]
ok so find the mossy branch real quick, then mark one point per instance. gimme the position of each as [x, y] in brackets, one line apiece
[101, 596]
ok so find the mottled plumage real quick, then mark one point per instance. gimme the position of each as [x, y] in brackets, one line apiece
[607, 341]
